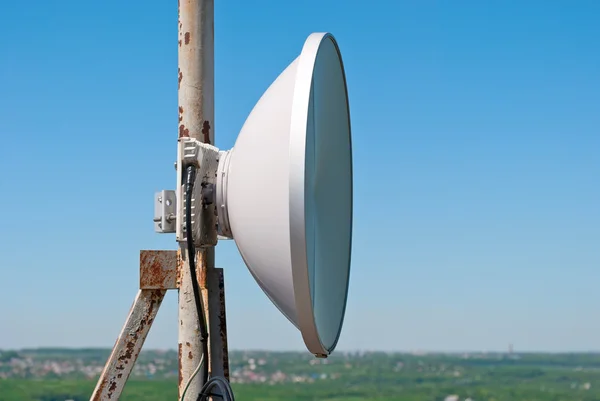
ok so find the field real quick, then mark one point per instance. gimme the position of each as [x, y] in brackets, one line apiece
[59, 375]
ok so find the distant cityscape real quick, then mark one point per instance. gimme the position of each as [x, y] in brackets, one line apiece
[70, 374]
[245, 367]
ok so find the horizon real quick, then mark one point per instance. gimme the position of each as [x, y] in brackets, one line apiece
[342, 351]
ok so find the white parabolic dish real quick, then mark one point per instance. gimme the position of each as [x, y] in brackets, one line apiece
[287, 193]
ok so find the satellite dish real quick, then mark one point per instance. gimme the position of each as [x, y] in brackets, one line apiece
[285, 193]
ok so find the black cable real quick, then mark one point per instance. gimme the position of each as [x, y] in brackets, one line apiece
[227, 387]
[224, 387]
[189, 186]
[220, 382]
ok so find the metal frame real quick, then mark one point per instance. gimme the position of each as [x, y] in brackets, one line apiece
[157, 275]
[159, 271]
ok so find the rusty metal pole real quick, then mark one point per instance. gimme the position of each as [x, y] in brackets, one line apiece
[196, 120]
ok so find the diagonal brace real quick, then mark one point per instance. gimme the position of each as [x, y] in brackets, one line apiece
[158, 273]
[128, 345]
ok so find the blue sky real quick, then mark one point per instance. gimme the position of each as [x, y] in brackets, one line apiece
[476, 132]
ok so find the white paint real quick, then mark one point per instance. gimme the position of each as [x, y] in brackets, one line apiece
[288, 194]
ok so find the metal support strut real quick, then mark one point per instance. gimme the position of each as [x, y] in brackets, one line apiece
[157, 275]
[159, 272]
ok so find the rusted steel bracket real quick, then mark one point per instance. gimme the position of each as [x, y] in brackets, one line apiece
[158, 273]
[128, 345]
[158, 270]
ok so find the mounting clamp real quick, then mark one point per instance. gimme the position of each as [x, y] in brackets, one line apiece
[206, 159]
[165, 211]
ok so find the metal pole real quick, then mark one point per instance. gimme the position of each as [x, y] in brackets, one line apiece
[196, 120]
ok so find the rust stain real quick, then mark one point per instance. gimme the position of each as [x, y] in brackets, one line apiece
[183, 132]
[153, 274]
[99, 391]
[206, 131]
[187, 38]
[127, 346]
[180, 74]
[188, 344]
[180, 114]
[180, 366]
[201, 274]
[190, 355]
[179, 42]
[179, 269]
[146, 320]
[157, 270]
